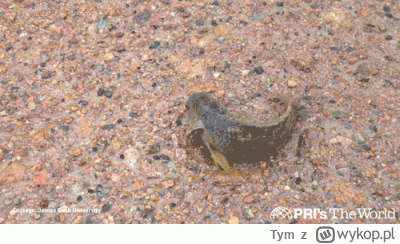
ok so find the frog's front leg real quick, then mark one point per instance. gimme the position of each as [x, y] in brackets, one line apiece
[219, 159]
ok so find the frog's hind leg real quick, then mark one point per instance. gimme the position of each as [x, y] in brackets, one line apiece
[219, 159]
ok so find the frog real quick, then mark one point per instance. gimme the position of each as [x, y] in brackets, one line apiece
[238, 139]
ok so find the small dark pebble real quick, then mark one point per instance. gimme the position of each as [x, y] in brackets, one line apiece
[84, 102]
[243, 22]
[388, 38]
[388, 82]
[119, 121]
[366, 147]
[16, 201]
[338, 114]
[165, 158]
[109, 127]
[259, 70]
[133, 115]
[386, 9]
[95, 149]
[108, 94]
[258, 94]
[79, 198]
[122, 156]
[389, 15]
[43, 64]
[106, 208]
[373, 128]
[154, 26]
[65, 128]
[100, 92]
[214, 23]
[154, 84]
[90, 191]
[279, 4]
[14, 88]
[216, 3]
[206, 217]
[178, 122]
[298, 180]
[99, 188]
[180, 9]
[155, 45]
[156, 157]
[199, 22]
[276, 100]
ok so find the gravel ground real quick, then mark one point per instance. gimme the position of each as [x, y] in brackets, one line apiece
[92, 108]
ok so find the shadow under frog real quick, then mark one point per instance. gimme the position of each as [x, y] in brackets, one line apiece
[232, 140]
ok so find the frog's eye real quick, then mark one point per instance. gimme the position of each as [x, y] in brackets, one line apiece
[187, 106]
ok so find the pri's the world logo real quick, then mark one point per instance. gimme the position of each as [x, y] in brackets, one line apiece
[281, 213]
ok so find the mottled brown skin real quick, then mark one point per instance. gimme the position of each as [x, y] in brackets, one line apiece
[228, 137]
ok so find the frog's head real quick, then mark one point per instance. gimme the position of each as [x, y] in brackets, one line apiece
[197, 101]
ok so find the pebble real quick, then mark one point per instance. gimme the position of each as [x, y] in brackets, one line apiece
[249, 199]
[13, 172]
[234, 220]
[338, 114]
[337, 15]
[292, 83]
[386, 9]
[344, 141]
[16, 201]
[200, 22]
[220, 30]
[106, 208]
[108, 94]
[133, 115]
[314, 184]
[100, 92]
[132, 156]
[108, 57]
[171, 164]
[359, 138]
[102, 24]
[249, 214]
[65, 128]
[155, 45]
[257, 16]
[84, 102]
[200, 208]
[259, 70]
[170, 175]
[191, 197]
[167, 184]
[31, 106]
[41, 178]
